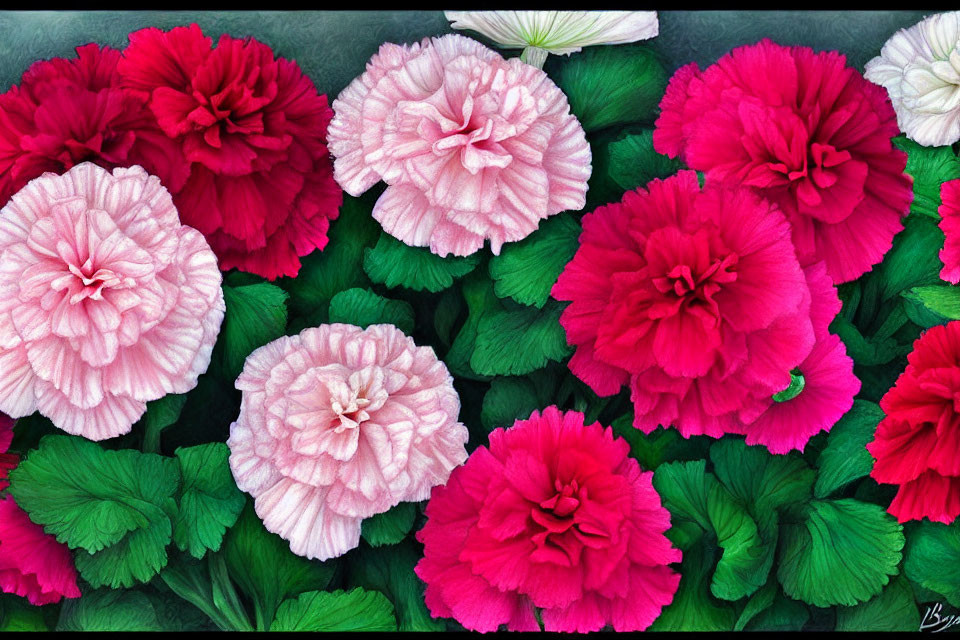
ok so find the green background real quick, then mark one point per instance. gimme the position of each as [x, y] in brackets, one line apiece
[333, 46]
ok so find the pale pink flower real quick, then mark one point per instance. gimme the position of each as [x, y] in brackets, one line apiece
[106, 300]
[338, 424]
[472, 146]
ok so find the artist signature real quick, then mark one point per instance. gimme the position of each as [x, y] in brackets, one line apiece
[934, 620]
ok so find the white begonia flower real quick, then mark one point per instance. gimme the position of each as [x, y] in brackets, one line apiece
[558, 32]
[920, 69]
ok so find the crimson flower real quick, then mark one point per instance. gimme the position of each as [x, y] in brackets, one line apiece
[556, 516]
[805, 131]
[253, 128]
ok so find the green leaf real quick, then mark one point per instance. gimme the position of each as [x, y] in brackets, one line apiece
[266, 570]
[760, 601]
[659, 446]
[480, 298]
[395, 264]
[514, 398]
[109, 610]
[864, 351]
[913, 261]
[326, 273]
[446, 315]
[389, 527]
[693, 608]
[17, 614]
[160, 414]
[941, 299]
[89, 497]
[612, 85]
[515, 342]
[690, 493]
[930, 167]
[256, 314]
[390, 571]
[210, 501]
[527, 270]
[356, 610]
[845, 458]
[783, 614]
[634, 163]
[843, 553]
[362, 307]
[933, 558]
[138, 557]
[893, 610]
[764, 482]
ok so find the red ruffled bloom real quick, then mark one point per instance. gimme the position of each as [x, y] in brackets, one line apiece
[554, 515]
[917, 444]
[32, 563]
[254, 128]
[68, 111]
[693, 298]
[949, 211]
[808, 133]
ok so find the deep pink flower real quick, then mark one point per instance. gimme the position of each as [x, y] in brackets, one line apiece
[338, 424]
[32, 563]
[72, 110]
[472, 146]
[916, 445]
[808, 133]
[949, 211]
[823, 388]
[106, 301]
[695, 299]
[254, 128]
[8, 461]
[554, 515]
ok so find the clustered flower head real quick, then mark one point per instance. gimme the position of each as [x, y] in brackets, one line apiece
[554, 516]
[695, 299]
[33, 564]
[472, 146]
[338, 424]
[916, 444]
[106, 300]
[920, 69]
[253, 128]
[807, 133]
[72, 110]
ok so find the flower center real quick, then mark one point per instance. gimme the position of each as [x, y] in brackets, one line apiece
[564, 532]
[686, 289]
[351, 414]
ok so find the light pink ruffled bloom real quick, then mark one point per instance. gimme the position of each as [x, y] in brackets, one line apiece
[106, 300]
[338, 424]
[473, 146]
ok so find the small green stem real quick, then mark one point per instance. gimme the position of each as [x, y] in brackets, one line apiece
[534, 56]
[225, 596]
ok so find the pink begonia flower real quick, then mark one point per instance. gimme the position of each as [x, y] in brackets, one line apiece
[554, 515]
[338, 424]
[32, 563]
[949, 211]
[472, 146]
[106, 300]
